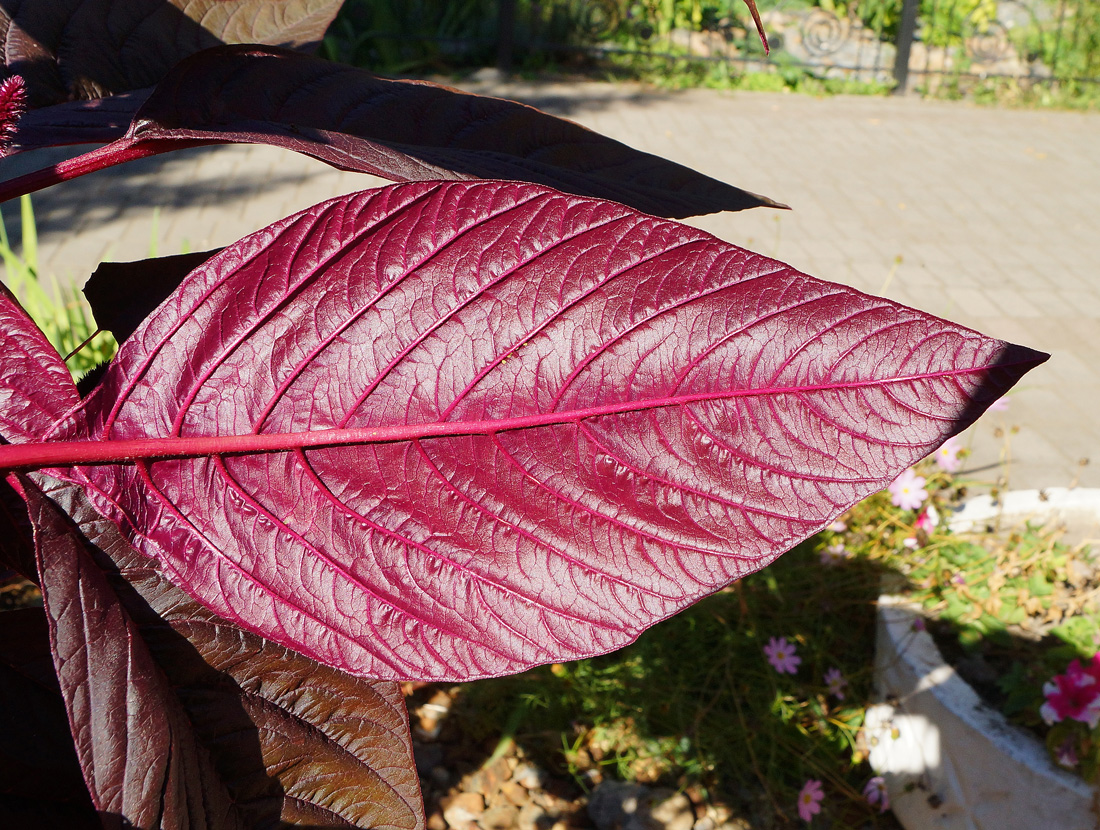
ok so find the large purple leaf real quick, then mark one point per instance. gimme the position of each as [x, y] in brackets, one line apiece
[399, 130]
[35, 386]
[80, 49]
[453, 430]
[35, 390]
[184, 720]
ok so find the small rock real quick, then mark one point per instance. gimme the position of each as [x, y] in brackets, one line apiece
[461, 809]
[529, 776]
[614, 805]
[500, 818]
[673, 811]
[489, 778]
[514, 793]
[530, 817]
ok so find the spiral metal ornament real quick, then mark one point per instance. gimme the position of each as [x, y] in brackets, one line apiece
[990, 45]
[823, 33]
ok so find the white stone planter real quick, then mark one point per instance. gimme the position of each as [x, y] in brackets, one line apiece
[951, 762]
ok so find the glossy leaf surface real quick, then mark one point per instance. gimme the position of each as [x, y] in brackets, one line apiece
[399, 130]
[81, 49]
[506, 426]
[187, 721]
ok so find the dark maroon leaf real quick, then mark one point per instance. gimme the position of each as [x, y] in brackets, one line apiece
[20, 813]
[76, 122]
[81, 49]
[287, 739]
[453, 430]
[139, 754]
[122, 294]
[35, 386]
[400, 130]
[38, 764]
[16, 541]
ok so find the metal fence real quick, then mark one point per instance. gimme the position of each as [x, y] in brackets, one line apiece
[907, 43]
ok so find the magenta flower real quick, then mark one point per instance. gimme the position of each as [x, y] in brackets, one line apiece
[782, 655]
[875, 793]
[835, 682]
[809, 799]
[947, 456]
[907, 490]
[1074, 695]
[928, 519]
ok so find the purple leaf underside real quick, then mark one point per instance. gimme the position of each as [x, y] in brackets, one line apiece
[548, 422]
[184, 720]
[35, 386]
[82, 49]
[399, 130]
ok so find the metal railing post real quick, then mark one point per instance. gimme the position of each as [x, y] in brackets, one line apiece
[907, 29]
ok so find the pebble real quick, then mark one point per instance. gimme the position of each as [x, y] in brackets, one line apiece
[616, 805]
[462, 809]
[529, 776]
[500, 818]
[530, 816]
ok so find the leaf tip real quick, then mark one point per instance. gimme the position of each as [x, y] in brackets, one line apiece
[759, 25]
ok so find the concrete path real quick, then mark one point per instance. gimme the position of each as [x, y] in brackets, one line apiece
[987, 217]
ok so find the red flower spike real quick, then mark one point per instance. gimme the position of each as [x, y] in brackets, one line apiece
[13, 103]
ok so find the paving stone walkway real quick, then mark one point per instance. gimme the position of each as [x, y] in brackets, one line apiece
[988, 217]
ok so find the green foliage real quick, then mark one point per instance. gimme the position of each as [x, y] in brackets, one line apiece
[405, 36]
[695, 701]
[57, 307]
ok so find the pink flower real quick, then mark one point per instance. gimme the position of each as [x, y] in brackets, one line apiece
[928, 519]
[837, 526]
[947, 456]
[1066, 754]
[809, 799]
[782, 655]
[1074, 695]
[834, 554]
[875, 793]
[911, 542]
[999, 405]
[907, 490]
[835, 682]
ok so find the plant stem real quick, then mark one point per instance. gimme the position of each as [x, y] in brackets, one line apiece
[117, 152]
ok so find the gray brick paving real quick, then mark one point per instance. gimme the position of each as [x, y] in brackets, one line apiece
[992, 212]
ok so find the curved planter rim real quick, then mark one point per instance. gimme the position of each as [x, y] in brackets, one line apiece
[950, 761]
